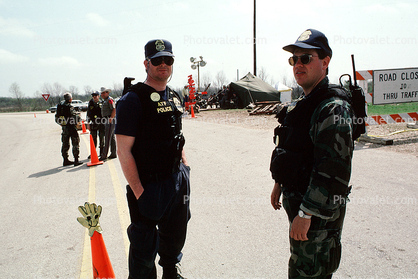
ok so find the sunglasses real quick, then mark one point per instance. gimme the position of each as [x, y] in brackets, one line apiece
[168, 60]
[305, 59]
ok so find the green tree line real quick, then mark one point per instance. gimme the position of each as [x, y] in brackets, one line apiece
[19, 102]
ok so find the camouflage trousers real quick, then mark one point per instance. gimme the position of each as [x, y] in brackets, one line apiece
[318, 257]
[70, 132]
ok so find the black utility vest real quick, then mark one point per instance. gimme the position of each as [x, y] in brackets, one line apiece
[293, 159]
[159, 142]
[63, 115]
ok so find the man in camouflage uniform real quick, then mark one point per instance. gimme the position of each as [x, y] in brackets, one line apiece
[311, 164]
[67, 117]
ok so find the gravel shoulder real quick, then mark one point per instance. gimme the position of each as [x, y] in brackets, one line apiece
[405, 140]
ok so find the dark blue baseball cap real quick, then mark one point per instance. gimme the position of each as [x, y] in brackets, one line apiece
[157, 48]
[311, 39]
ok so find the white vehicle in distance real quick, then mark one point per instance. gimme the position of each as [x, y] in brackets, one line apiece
[79, 105]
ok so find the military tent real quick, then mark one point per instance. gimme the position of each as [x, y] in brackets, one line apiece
[251, 89]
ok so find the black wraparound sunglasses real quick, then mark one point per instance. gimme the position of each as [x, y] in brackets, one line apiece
[168, 60]
[305, 59]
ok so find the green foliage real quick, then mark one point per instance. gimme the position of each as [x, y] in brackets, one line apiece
[391, 109]
[8, 104]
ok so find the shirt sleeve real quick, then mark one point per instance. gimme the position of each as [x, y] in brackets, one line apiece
[112, 103]
[128, 115]
[331, 132]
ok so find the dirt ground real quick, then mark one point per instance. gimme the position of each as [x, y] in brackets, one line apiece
[405, 140]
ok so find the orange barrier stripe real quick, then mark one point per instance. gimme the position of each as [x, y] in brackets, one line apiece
[414, 115]
[379, 119]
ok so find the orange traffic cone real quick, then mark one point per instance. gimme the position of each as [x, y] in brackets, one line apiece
[102, 267]
[191, 107]
[94, 159]
[83, 126]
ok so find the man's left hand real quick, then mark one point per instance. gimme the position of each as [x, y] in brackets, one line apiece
[299, 229]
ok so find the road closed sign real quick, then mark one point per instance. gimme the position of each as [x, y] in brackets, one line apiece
[395, 86]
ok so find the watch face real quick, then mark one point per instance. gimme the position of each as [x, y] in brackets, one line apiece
[300, 213]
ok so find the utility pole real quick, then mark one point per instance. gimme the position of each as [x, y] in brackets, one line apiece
[255, 40]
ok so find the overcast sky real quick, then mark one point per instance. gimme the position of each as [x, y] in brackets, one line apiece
[98, 43]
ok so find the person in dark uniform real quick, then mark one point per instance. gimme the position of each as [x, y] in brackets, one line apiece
[108, 114]
[67, 117]
[311, 164]
[94, 120]
[150, 149]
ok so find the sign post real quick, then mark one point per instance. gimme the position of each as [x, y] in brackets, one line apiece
[395, 86]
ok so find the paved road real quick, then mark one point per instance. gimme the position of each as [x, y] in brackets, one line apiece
[233, 233]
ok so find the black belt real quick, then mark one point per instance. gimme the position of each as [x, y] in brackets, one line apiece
[148, 177]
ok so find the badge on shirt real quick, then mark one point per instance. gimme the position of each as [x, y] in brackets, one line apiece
[155, 97]
[178, 104]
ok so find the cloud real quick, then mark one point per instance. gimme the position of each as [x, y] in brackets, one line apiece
[7, 57]
[64, 61]
[97, 19]
[15, 27]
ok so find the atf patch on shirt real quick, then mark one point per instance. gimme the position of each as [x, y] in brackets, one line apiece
[164, 106]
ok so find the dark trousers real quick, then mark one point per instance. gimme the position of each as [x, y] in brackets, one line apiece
[159, 224]
[70, 132]
[98, 131]
[318, 257]
[109, 139]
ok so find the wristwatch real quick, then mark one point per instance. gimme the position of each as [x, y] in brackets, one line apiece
[304, 215]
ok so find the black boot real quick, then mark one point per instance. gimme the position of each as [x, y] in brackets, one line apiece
[67, 162]
[77, 163]
[172, 273]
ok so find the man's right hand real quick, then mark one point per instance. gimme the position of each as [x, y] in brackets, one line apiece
[138, 190]
[275, 197]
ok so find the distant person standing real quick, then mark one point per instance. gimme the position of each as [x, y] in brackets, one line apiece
[94, 120]
[67, 117]
[185, 93]
[108, 114]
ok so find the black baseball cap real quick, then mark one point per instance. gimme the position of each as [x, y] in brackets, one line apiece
[311, 39]
[157, 48]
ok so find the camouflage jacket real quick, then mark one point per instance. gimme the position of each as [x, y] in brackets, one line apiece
[317, 137]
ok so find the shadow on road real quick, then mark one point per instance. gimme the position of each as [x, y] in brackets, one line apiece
[58, 169]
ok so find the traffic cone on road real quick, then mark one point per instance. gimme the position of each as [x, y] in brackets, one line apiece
[94, 159]
[83, 126]
[191, 107]
[102, 267]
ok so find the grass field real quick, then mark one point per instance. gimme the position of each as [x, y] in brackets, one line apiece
[391, 109]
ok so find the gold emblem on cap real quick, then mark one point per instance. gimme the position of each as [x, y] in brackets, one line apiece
[305, 35]
[155, 97]
[159, 45]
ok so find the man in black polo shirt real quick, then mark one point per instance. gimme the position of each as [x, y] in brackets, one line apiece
[150, 149]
